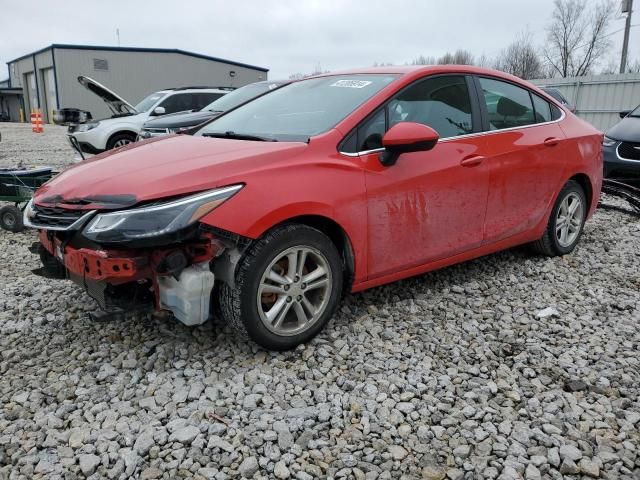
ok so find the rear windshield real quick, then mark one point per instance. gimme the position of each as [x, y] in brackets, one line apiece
[302, 109]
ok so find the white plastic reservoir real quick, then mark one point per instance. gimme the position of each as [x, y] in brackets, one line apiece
[189, 296]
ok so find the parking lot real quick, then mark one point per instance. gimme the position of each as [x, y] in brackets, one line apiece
[510, 366]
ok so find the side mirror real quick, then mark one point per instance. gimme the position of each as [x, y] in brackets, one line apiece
[159, 111]
[406, 137]
[624, 113]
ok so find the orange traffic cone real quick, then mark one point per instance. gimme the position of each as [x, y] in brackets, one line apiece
[36, 121]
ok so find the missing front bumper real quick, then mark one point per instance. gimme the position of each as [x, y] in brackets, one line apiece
[123, 280]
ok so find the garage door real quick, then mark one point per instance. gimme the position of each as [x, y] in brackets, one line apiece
[50, 93]
[32, 93]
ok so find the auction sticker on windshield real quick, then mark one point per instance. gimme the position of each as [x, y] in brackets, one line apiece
[351, 83]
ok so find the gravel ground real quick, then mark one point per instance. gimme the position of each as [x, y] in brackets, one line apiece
[511, 366]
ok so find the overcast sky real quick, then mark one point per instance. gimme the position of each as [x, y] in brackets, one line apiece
[286, 36]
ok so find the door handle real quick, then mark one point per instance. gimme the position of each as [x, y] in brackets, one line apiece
[472, 160]
[551, 141]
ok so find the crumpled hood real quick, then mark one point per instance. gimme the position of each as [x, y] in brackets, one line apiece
[626, 130]
[161, 167]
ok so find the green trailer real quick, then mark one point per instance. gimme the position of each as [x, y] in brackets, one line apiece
[17, 186]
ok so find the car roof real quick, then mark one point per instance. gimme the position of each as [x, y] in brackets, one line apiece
[195, 90]
[422, 70]
[412, 72]
[425, 69]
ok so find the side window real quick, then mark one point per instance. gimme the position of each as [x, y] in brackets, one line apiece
[370, 132]
[203, 99]
[556, 113]
[179, 102]
[542, 109]
[443, 103]
[508, 106]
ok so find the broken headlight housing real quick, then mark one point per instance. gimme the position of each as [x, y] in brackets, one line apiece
[157, 219]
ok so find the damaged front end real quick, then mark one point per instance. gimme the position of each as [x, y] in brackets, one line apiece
[155, 256]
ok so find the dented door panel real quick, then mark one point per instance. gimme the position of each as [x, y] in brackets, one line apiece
[427, 206]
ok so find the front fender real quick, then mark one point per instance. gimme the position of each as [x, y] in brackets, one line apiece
[270, 199]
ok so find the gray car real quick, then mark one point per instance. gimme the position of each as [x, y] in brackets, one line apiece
[621, 146]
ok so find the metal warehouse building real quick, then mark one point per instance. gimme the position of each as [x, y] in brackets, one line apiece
[47, 78]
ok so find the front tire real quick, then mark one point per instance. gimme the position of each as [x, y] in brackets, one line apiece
[287, 287]
[120, 140]
[11, 218]
[566, 222]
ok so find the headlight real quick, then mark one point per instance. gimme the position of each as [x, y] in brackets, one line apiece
[85, 127]
[608, 142]
[158, 219]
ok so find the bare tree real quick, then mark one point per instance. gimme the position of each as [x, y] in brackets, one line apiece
[633, 67]
[422, 60]
[521, 59]
[576, 36]
[317, 71]
[613, 68]
[459, 57]
[484, 61]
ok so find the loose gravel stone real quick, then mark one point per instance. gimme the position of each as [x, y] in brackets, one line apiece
[88, 464]
[249, 467]
[455, 374]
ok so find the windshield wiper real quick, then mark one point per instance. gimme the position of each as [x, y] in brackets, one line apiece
[238, 136]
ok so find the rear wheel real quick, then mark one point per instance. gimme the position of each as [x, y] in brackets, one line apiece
[11, 218]
[120, 140]
[287, 287]
[565, 223]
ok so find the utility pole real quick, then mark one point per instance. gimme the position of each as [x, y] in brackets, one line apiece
[118, 37]
[627, 7]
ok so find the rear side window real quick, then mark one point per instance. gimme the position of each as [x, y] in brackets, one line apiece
[508, 106]
[542, 109]
[443, 103]
[556, 94]
[177, 103]
[182, 102]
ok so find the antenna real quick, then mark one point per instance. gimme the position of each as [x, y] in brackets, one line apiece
[118, 35]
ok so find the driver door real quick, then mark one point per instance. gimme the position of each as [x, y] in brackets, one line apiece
[430, 205]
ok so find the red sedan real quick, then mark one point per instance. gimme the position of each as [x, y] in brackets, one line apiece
[333, 184]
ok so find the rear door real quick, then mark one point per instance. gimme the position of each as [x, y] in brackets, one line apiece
[525, 161]
[429, 205]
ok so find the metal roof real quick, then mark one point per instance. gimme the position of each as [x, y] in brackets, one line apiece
[63, 46]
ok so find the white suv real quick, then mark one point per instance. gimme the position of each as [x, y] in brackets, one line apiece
[123, 127]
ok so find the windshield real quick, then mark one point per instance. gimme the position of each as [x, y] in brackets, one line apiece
[300, 110]
[241, 95]
[149, 102]
[636, 112]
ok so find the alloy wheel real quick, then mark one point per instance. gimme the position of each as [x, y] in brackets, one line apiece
[294, 290]
[9, 220]
[122, 142]
[569, 219]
